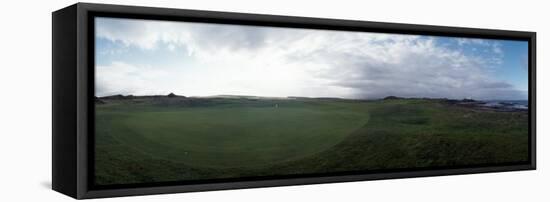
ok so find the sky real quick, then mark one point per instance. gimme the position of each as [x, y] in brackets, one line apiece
[150, 57]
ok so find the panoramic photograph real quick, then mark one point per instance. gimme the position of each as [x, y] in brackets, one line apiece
[186, 101]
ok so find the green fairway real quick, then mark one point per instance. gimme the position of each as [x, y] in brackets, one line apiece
[153, 140]
[230, 136]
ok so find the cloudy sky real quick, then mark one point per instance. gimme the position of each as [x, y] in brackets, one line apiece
[147, 57]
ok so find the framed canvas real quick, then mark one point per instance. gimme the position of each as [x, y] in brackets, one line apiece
[157, 100]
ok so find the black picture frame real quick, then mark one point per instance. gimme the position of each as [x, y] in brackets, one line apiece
[73, 97]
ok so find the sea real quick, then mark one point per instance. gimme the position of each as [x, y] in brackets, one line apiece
[510, 104]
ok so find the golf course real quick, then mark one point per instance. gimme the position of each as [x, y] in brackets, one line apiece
[143, 139]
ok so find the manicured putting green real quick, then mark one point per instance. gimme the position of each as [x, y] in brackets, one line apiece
[231, 136]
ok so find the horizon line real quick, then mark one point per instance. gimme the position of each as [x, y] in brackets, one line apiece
[287, 97]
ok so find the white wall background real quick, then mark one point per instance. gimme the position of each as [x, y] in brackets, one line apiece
[25, 100]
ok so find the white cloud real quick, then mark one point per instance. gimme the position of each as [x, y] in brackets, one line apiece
[469, 41]
[297, 62]
[123, 78]
[496, 48]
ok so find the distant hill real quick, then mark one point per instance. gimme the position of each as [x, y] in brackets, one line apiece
[392, 98]
[98, 101]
